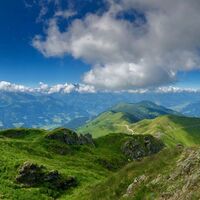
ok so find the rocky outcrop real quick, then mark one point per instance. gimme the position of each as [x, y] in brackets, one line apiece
[31, 175]
[141, 146]
[181, 181]
[70, 137]
[184, 181]
[135, 184]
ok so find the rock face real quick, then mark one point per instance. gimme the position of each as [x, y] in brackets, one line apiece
[141, 146]
[70, 137]
[31, 174]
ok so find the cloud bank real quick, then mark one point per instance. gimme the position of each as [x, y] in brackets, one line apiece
[44, 88]
[132, 44]
[68, 88]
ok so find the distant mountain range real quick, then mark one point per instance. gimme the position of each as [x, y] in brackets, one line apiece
[192, 109]
[44, 111]
[23, 109]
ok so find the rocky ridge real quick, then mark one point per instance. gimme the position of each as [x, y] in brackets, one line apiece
[70, 137]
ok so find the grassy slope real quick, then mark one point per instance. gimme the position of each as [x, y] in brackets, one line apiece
[171, 174]
[80, 161]
[143, 110]
[95, 181]
[108, 122]
[171, 129]
[121, 115]
[116, 185]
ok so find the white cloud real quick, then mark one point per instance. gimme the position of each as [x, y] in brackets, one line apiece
[82, 88]
[172, 89]
[65, 13]
[68, 88]
[61, 88]
[44, 88]
[7, 86]
[131, 54]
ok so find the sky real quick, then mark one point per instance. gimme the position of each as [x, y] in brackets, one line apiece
[102, 44]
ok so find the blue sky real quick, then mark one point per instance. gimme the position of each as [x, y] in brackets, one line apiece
[21, 63]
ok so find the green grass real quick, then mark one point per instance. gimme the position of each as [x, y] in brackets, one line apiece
[103, 172]
[171, 129]
[116, 185]
[90, 165]
[108, 122]
[118, 118]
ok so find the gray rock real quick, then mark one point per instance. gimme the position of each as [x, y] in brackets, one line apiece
[34, 175]
[30, 174]
[70, 137]
[136, 183]
[140, 146]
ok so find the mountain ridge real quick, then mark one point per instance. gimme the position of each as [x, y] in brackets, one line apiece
[123, 114]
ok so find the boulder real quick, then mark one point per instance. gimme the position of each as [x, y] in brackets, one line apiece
[141, 146]
[31, 174]
[55, 180]
[70, 137]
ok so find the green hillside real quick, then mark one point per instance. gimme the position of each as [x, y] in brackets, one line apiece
[156, 161]
[60, 164]
[107, 122]
[170, 174]
[143, 110]
[171, 129]
[119, 118]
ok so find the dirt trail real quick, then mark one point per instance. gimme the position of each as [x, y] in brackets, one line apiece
[127, 127]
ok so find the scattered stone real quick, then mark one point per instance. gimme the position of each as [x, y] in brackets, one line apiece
[136, 183]
[156, 180]
[184, 180]
[31, 175]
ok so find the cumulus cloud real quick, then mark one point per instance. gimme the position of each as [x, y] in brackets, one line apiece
[61, 88]
[134, 52]
[82, 88]
[10, 87]
[45, 88]
[68, 88]
[172, 89]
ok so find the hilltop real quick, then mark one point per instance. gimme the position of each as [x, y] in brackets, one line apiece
[171, 129]
[143, 110]
[120, 117]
